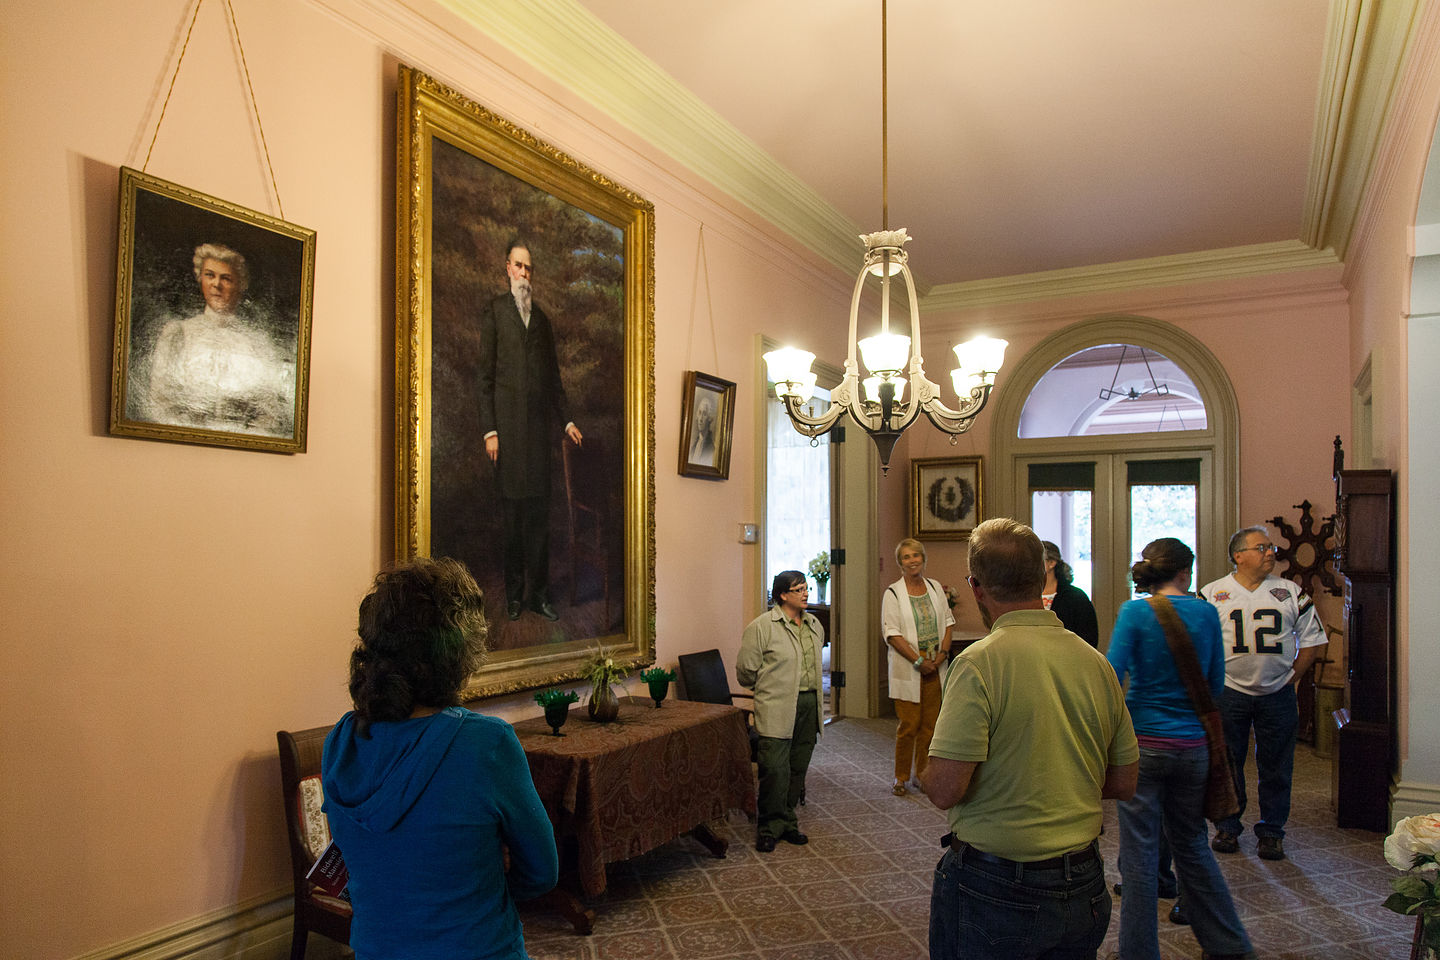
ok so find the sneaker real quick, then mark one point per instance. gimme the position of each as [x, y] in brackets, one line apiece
[1178, 914]
[1225, 842]
[1272, 848]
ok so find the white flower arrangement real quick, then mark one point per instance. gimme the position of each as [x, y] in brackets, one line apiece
[1413, 848]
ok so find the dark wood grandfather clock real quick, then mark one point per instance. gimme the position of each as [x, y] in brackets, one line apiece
[1366, 745]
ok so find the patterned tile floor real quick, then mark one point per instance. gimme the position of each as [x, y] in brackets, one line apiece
[861, 889]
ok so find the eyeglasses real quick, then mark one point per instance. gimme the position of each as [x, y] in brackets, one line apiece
[802, 588]
[1264, 548]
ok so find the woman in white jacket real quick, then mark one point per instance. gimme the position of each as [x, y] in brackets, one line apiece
[916, 621]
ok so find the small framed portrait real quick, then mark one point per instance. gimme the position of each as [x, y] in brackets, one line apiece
[707, 414]
[947, 497]
[212, 320]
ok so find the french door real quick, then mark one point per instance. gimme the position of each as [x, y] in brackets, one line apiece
[1102, 508]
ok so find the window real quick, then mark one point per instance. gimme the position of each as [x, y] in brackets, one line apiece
[797, 494]
[1114, 432]
[1112, 388]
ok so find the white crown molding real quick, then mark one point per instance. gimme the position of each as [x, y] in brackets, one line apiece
[1413, 107]
[1364, 54]
[573, 46]
[1179, 269]
[1365, 49]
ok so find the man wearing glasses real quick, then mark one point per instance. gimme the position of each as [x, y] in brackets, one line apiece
[1273, 635]
[780, 659]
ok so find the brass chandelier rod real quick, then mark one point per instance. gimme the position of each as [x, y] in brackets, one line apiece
[884, 120]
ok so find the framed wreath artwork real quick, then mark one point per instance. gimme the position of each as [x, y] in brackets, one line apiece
[947, 497]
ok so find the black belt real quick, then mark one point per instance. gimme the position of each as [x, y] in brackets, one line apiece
[1073, 859]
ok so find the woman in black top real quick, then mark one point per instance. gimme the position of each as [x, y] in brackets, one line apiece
[1067, 601]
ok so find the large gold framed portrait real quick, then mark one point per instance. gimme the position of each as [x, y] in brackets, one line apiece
[525, 415]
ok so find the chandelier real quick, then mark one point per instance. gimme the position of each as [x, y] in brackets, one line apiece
[877, 403]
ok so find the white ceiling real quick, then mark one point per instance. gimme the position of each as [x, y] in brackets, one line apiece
[1026, 137]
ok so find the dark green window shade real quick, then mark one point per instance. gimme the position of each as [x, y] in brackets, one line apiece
[1062, 476]
[1163, 471]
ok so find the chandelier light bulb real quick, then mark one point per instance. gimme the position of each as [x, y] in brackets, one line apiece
[789, 365]
[982, 354]
[885, 353]
[966, 381]
[872, 388]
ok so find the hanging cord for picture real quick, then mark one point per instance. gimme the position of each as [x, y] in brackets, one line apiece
[250, 87]
[702, 265]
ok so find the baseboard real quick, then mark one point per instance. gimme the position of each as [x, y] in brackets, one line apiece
[254, 929]
[1412, 799]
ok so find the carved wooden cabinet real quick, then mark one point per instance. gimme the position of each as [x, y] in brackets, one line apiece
[1366, 744]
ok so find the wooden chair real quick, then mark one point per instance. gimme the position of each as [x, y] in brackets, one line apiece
[586, 546]
[309, 834]
[706, 681]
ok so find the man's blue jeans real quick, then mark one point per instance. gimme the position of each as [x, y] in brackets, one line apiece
[1171, 795]
[983, 911]
[1275, 718]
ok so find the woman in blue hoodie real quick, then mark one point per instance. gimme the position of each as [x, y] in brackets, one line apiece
[424, 797]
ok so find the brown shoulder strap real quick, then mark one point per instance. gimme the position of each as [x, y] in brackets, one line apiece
[1184, 653]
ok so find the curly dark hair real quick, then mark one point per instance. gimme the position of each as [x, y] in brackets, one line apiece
[1160, 562]
[1064, 573]
[422, 634]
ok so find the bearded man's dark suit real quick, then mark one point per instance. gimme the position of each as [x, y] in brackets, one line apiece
[523, 401]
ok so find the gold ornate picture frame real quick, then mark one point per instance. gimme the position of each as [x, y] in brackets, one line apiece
[469, 185]
[947, 497]
[707, 414]
[212, 320]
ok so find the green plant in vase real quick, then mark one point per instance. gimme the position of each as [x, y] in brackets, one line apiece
[556, 704]
[820, 573]
[601, 671]
[658, 680]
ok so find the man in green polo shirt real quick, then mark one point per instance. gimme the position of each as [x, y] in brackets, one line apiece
[1033, 733]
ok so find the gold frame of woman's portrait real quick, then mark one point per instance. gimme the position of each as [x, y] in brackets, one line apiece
[720, 393]
[172, 350]
[929, 516]
[469, 184]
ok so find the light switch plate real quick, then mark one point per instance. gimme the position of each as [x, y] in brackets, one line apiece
[749, 533]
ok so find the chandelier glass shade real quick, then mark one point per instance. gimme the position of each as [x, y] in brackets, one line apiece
[877, 403]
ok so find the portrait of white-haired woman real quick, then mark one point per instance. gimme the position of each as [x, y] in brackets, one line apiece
[221, 369]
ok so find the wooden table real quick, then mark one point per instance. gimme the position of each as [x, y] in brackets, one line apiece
[616, 790]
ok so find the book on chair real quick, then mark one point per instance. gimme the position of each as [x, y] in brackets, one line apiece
[329, 872]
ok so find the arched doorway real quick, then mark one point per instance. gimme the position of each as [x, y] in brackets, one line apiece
[1137, 435]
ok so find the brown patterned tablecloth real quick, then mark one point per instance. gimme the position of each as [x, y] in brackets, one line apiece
[619, 789]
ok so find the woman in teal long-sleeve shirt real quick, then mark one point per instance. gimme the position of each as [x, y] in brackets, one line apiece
[426, 799]
[1174, 761]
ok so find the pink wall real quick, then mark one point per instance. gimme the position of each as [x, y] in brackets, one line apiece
[1379, 277]
[168, 607]
[178, 604]
[1275, 336]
